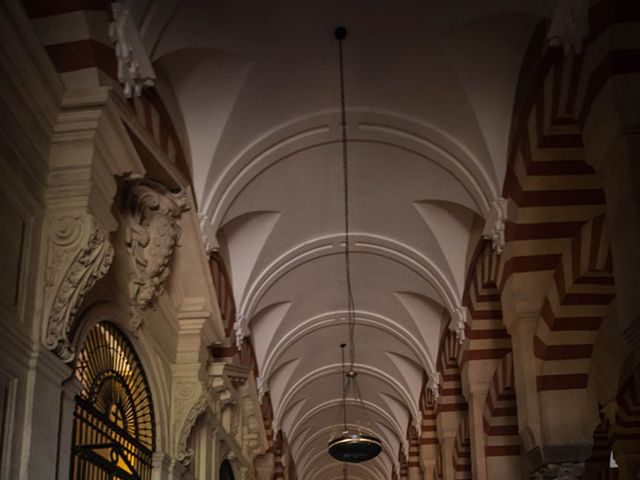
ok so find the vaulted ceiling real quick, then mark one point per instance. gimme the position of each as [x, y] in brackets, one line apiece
[430, 88]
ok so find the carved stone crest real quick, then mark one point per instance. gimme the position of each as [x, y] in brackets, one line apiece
[79, 254]
[152, 235]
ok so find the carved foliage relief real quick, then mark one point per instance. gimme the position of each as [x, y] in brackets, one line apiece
[152, 235]
[79, 254]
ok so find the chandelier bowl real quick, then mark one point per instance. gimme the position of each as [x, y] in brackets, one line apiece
[354, 447]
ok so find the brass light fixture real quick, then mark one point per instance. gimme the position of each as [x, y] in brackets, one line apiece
[350, 446]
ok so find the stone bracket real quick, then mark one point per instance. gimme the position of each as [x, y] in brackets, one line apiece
[152, 235]
[79, 254]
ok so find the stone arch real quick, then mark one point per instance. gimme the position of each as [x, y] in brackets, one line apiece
[581, 292]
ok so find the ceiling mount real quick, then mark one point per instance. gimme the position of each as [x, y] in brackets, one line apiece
[340, 33]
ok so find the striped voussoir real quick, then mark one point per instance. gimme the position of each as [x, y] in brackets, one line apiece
[429, 431]
[487, 338]
[554, 189]
[597, 466]
[223, 290]
[451, 397]
[580, 294]
[626, 427]
[500, 417]
[462, 451]
[414, 448]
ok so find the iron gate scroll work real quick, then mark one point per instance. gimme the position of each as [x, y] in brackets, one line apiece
[113, 429]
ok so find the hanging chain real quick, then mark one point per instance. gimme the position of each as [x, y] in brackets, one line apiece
[351, 321]
[344, 391]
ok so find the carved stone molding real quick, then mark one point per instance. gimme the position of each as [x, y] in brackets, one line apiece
[152, 235]
[79, 254]
[495, 224]
[134, 67]
[458, 322]
[560, 471]
[569, 25]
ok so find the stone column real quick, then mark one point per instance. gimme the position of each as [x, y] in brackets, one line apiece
[428, 460]
[477, 399]
[447, 445]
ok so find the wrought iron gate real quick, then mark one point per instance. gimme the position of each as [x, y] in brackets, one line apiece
[113, 432]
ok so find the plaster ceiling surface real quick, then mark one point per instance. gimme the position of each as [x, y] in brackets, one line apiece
[430, 88]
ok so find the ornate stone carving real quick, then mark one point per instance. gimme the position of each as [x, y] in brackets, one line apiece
[152, 235]
[560, 471]
[495, 224]
[209, 247]
[79, 255]
[240, 330]
[134, 67]
[433, 384]
[190, 401]
[569, 26]
[458, 322]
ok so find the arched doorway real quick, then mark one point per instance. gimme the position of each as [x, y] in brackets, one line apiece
[113, 427]
[226, 472]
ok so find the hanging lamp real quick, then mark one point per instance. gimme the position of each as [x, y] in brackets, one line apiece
[350, 446]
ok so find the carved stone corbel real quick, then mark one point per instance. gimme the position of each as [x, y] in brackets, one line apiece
[495, 224]
[458, 323]
[433, 384]
[79, 254]
[152, 235]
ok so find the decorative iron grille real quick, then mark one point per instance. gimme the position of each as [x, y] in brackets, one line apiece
[113, 431]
